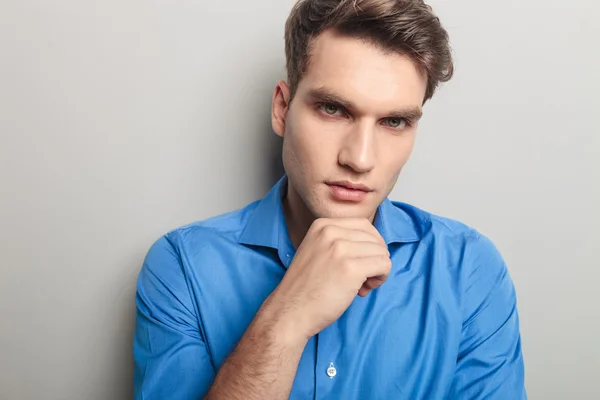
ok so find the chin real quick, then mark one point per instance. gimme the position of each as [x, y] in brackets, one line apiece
[329, 209]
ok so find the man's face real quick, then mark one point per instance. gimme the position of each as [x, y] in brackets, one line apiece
[352, 121]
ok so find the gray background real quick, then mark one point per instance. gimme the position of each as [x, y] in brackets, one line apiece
[120, 120]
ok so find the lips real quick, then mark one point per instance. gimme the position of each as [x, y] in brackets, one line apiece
[351, 185]
[348, 191]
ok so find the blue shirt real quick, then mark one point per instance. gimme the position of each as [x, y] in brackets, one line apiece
[443, 326]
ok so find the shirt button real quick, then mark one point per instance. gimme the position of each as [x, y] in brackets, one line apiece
[331, 371]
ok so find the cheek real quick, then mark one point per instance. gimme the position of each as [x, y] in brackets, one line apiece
[395, 152]
[312, 140]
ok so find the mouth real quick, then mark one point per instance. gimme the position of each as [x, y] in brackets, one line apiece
[348, 191]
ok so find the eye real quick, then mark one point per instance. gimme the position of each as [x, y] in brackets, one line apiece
[330, 109]
[396, 123]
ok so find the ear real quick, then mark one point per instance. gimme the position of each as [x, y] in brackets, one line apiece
[280, 107]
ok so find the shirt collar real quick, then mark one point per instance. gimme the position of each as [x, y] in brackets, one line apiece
[267, 224]
[396, 225]
[267, 227]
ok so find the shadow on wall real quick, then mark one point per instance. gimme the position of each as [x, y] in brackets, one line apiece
[270, 171]
[125, 380]
[274, 163]
[272, 167]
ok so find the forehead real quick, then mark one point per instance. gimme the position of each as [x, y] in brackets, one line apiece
[363, 73]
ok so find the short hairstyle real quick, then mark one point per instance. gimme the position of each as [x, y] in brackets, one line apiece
[407, 27]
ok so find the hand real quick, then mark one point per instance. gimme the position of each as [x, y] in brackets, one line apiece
[338, 259]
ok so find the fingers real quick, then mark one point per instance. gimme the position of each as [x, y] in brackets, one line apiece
[373, 266]
[331, 233]
[326, 226]
[342, 248]
[360, 250]
[370, 284]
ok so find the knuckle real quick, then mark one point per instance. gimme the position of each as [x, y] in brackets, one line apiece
[387, 262]
[318, 224]
[337, 248]
[366, 224]
[384, 250]
[328, 232]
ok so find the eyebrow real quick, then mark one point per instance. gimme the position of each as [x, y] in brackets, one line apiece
[328, 96]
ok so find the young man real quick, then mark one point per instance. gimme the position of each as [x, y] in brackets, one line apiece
[325, 289]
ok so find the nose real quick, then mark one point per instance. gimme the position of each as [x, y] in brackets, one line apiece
[358, 149]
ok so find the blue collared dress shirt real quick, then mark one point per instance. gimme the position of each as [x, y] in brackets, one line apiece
[443, 326]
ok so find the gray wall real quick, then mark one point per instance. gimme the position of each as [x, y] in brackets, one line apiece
[120, 120]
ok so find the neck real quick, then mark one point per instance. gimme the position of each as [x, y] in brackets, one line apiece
[298, 217]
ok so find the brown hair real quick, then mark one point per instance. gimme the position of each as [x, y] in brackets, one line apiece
[408, 27]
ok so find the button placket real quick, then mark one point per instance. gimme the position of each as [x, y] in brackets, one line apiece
[327, 372]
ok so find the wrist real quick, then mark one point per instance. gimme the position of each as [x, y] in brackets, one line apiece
[283, 328]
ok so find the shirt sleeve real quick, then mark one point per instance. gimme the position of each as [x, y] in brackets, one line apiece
[490, 362]
[171, 360]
